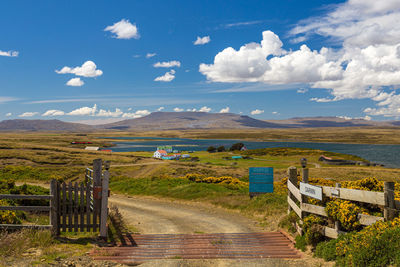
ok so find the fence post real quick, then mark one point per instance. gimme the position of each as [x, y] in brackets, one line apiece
[104, 205]
[54, 207]
[303, 197]
[292, 173]
[337, 223]
[97, 166]
[389, 210]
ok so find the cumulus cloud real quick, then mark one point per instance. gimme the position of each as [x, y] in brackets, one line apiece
[302, 90]
[202, 40]
[109, 113]
[123, 30]
[28, 114]
[9, 53]
[224, 110]
[167, 64]
[149, 55]
[167, 77]
[160, 108]
[205, 109]
[84, 111]
[75, 82]
[256, 112]
[8, 114]
[88, 69]
[191, 109]
[178, 109]
[53, 112]
[137, 114]
[364, 64]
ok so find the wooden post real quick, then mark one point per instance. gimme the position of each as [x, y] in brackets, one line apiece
[54, 207]
[97, 167]
[303, 197]
[389, 212]
[337, 223]
[292, 177]
[70, 207]
[104, 205]
[76, 205]
[64, 208]
[81, 207]
[305, 175]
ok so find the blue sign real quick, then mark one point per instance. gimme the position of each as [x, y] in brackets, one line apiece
[261, 180]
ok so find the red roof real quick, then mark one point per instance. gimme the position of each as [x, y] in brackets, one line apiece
[162, 151]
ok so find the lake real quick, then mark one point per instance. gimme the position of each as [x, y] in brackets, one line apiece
[389, 155]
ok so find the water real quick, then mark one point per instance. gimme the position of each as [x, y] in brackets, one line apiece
[389, 155]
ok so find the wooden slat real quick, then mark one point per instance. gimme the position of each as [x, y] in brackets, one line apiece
[104, 205]
[313, 209]
[298, 228]
[76, 205]
[26, 208]
[24, 226]
[294, 206]
[331, 232]
[58, 208]
[88, 221]
[377, 198]
[294, 190]
[81, 207]
[70, 207]
[64, 207]
[368, 219]
[11, 196]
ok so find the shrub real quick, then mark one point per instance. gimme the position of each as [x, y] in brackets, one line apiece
[211, 149]
[345, 212]
[221, 149]
[312, 227]
[301, 243]
[327, 249]
[237, 146]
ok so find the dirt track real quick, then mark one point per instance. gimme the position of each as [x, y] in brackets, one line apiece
[152, 216]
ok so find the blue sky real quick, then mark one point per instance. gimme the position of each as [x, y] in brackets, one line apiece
[97, 60]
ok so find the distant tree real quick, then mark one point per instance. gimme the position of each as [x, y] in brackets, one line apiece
[211, 149]
[221, 149]
[236, 146]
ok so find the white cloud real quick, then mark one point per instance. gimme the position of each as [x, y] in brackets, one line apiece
[53, 112]
[9, 53]
[4, 99]
[149, 55]
[75, 82]
[302, 90]
[28, 114]
[137, 114]
[167, 64]
[167, 77]
[136, 56]
[249, 64]
[224, 110]
[108, 113]
[364, 64]
[191, 109]
[124, 30]
[275, 112]
[178, 109]
[160, 108]
[88, 69]
[257, 112]
[202, 40]
[244, 23]
[84, 111]
[8, 114]
[205, 109]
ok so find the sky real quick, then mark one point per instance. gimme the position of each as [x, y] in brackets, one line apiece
[102, 61]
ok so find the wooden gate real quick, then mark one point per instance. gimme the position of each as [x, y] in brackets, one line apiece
[82, 207]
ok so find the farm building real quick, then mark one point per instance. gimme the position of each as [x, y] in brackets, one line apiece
[168, 149]
[168, 157]
[159, 154]
[92, 148]
[185, 156]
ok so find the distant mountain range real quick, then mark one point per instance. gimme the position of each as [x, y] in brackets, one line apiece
[190, 120]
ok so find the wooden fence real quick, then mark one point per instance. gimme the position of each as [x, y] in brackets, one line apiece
[73, 207]
[298, 202]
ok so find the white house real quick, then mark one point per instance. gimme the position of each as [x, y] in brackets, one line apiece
[92, 148]
[159, 154]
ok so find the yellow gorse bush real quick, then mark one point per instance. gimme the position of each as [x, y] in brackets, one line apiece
[345, 212]
[225, 180]
[7, 216]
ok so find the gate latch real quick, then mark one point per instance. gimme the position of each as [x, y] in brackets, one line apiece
[97, 192]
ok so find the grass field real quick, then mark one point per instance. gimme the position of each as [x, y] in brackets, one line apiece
[40, 157]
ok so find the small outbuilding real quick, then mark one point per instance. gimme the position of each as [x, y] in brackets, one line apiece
[159, 154]
[92, 148]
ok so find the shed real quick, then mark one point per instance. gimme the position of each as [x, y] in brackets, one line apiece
[92, 148]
